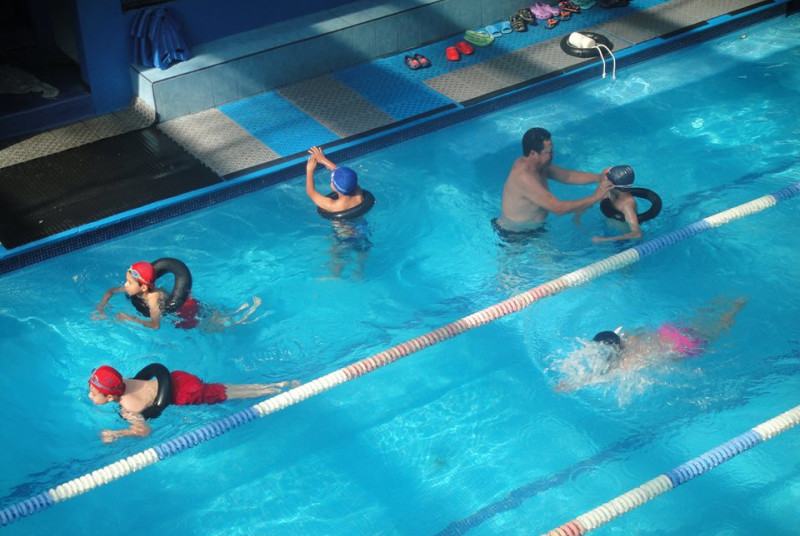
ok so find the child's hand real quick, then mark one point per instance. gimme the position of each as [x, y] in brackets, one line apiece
[109, 436]
[311, 165]
[317, 153]
[100, 314]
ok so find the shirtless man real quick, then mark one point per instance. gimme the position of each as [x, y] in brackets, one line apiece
[526, 195]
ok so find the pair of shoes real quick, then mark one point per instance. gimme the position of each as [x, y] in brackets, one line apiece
[569, 6]
[417, 61]
[499, 30]
[454, 53]
[544, 11]
[478, 38]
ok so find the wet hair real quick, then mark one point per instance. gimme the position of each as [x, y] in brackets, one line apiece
[613, 341]
[533, 140]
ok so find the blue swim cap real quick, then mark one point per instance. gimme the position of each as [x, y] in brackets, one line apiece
[345, 180]
[621, 176]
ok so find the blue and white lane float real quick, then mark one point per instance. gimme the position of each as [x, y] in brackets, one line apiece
[150, 456]
[677, 476]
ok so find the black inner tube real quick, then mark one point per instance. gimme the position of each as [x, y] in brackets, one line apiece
[180, 290]
[600, 39]
[164, 395]
[643, 193]
[351, 213]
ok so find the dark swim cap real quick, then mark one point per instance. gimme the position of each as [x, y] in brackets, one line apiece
[621, 176]
[345, 180]
[612, 340]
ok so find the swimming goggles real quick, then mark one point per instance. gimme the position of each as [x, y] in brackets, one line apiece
[137, 276]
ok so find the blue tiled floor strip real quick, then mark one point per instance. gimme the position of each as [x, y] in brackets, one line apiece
[277, 123]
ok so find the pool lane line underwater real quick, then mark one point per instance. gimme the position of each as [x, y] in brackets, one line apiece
[683, 473]
[150, 456]
[253, 179]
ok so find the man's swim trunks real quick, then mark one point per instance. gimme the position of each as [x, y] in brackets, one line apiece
[517, 237]
[188, 314]
[685, 341]
[188, 389]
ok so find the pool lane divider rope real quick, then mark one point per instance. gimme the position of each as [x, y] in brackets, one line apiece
[677, 476]
[279, 402]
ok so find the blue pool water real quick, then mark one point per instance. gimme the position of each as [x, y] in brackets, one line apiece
[468, 436]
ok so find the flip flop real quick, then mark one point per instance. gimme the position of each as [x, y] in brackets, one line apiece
[505, 27]
[494, 31]
[478, 38]
[451, 53]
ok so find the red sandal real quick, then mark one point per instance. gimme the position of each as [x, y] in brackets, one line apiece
[452, 54]
[465, 48]
[552, 23]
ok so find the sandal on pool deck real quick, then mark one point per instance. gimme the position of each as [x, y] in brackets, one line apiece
[465, 48]
[451, 53]
[526, 15]
[551, 23]
[424, 62]
[412, 63]
[478, 38]
[517, 24]
[494, 31]
[569, 6]
[540, 11]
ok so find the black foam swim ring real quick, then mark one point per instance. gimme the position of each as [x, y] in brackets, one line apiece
[164, 395]
[600, 39]
[642, 193]
[180, 290]
[350, 213]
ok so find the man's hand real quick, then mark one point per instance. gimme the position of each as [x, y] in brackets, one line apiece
[602, 190]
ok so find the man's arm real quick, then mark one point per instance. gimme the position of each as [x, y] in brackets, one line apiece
[569, 176]
[138, 428]
[545, 199]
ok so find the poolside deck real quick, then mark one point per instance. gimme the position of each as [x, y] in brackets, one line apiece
[55, 184]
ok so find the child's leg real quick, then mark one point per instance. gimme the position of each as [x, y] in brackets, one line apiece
[255, 390]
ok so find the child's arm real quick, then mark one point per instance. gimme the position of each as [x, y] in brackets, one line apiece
[154, 304]
[629, 211]
[138, 428]
[320, 157]
[103, 302]
[323, 202]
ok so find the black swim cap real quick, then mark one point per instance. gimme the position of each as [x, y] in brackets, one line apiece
[613, 340]
[534, 140]
[621, 176]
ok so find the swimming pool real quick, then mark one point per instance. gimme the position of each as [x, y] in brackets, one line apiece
[468, 435]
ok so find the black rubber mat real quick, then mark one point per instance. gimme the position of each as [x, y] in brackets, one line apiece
[56, 193]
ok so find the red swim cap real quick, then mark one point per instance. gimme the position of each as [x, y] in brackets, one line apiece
[107, 380]
[143, 272]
